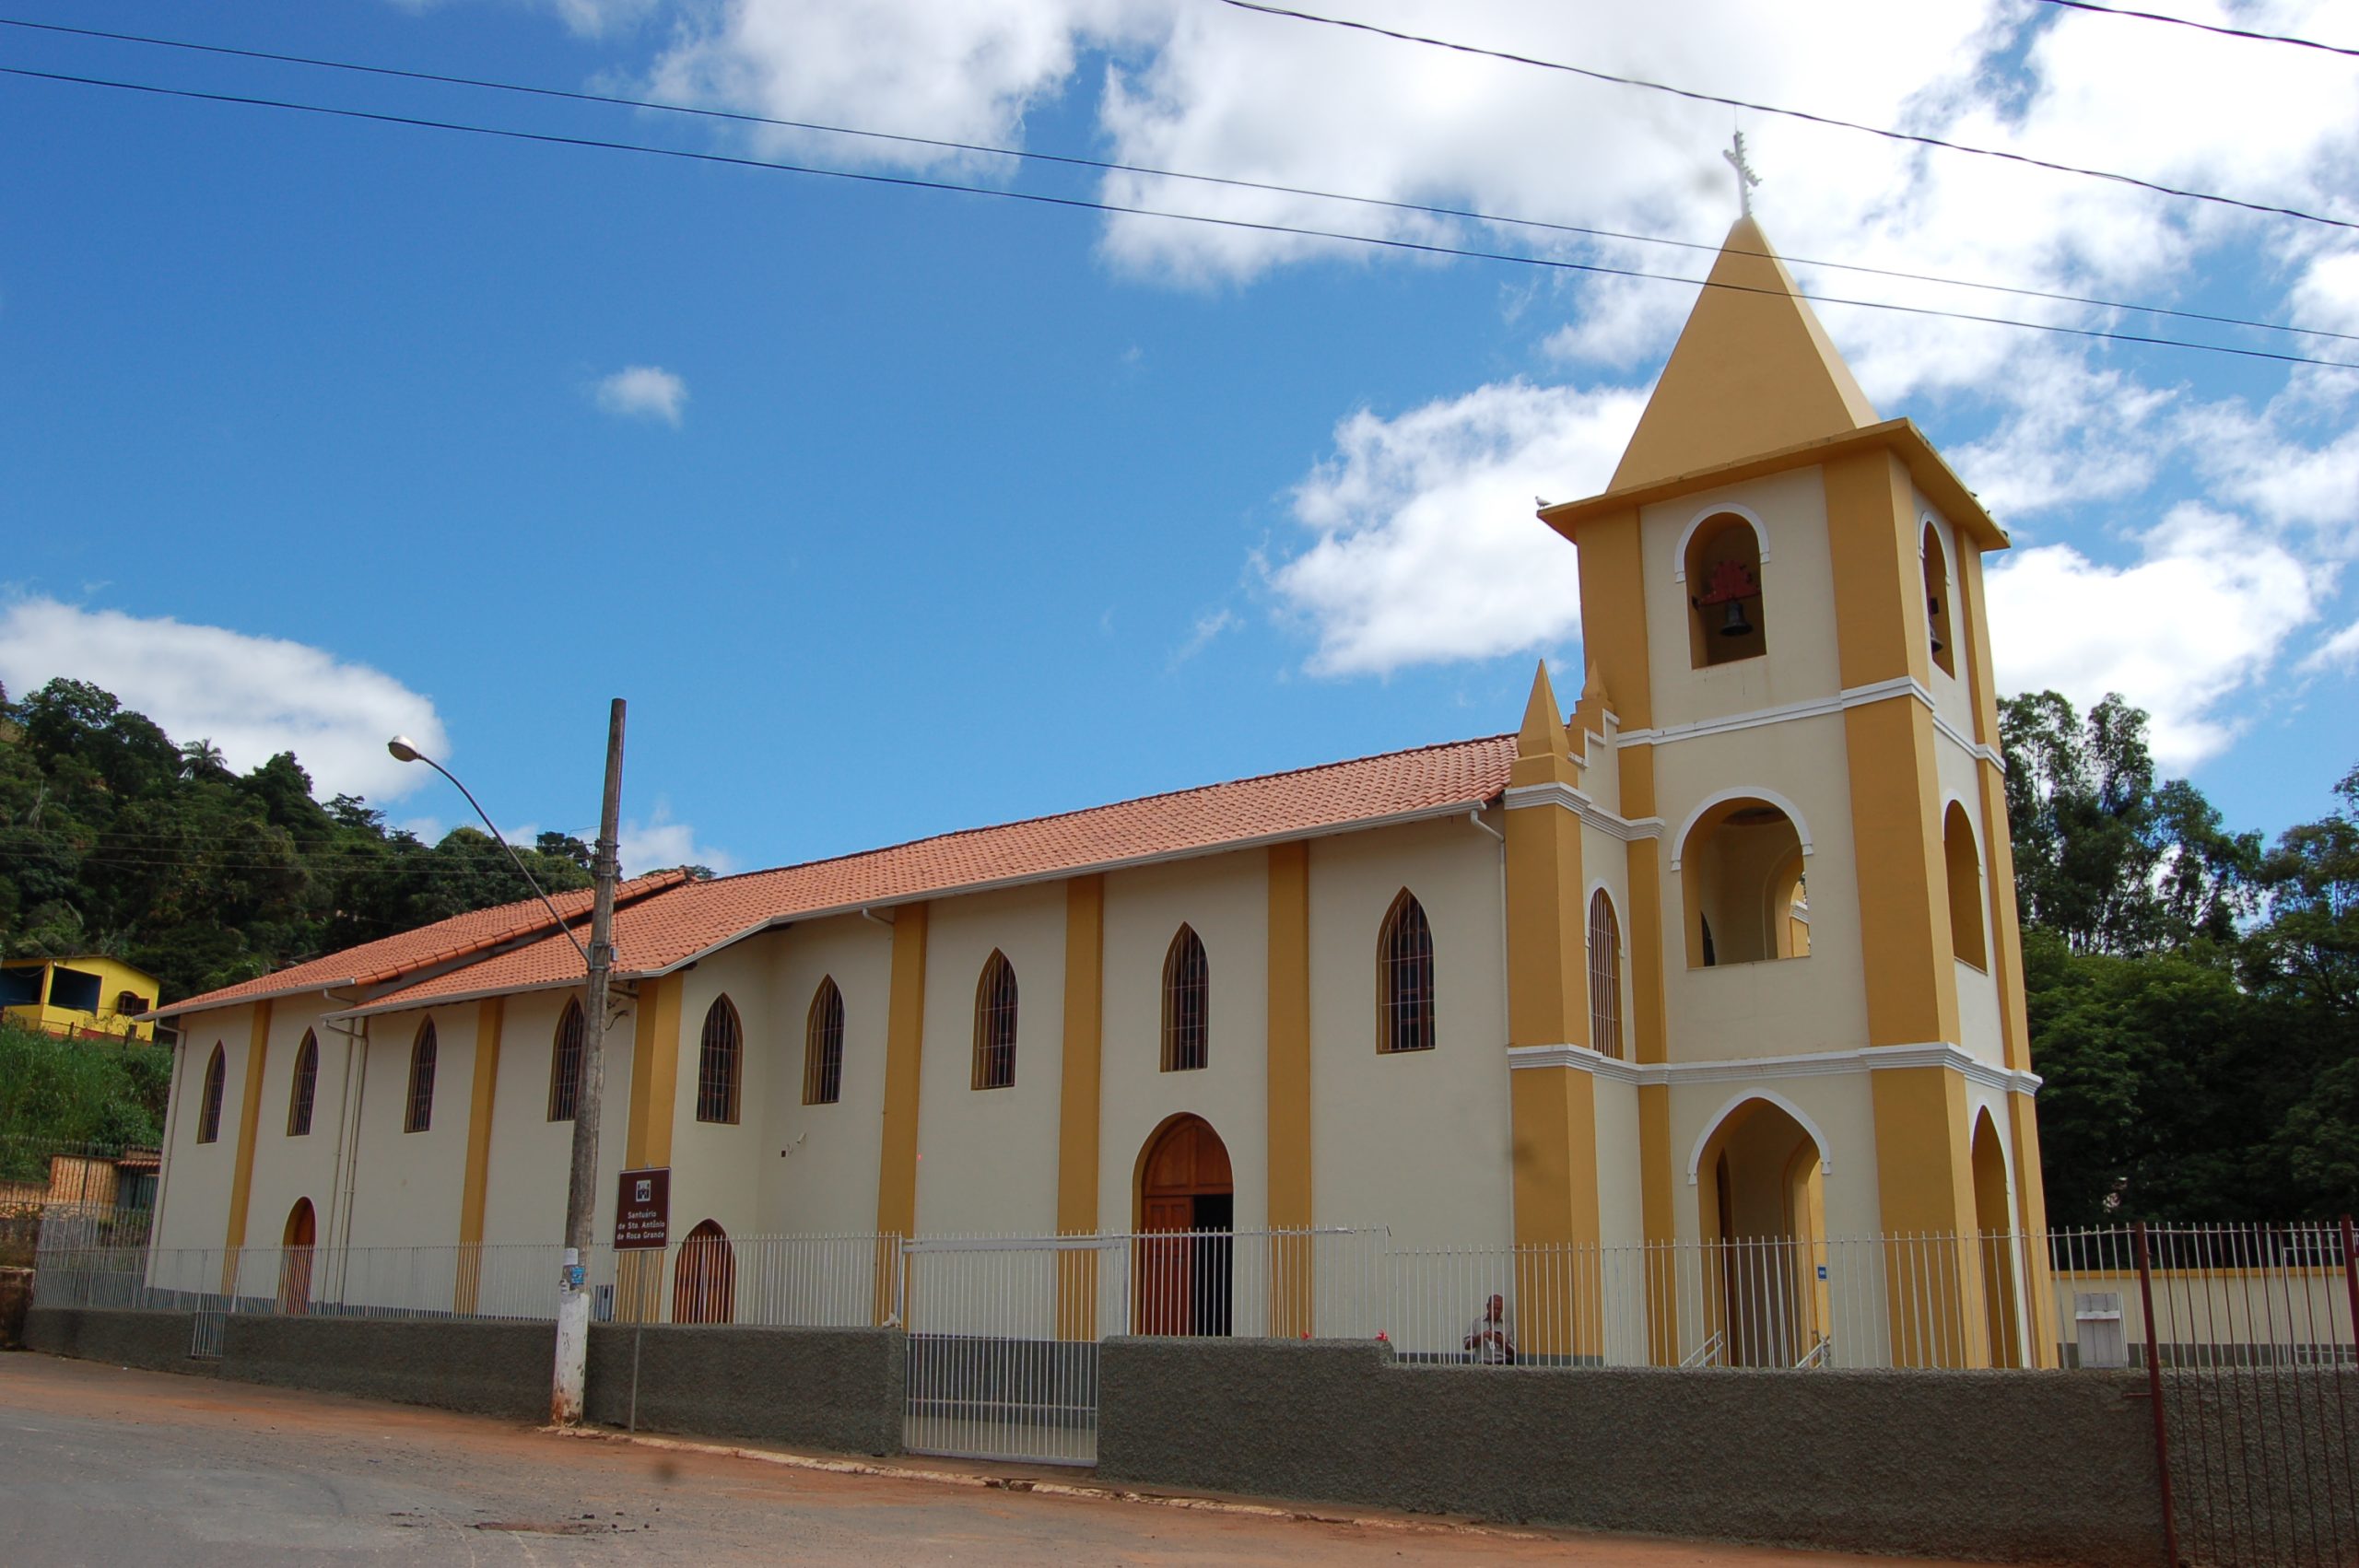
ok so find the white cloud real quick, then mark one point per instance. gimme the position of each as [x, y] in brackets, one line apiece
[659, 842]
[2067, 433]
[2203, 613]
[2339, 652]
[1427, 547]
[253, 697]
[644, 392]
[1421, 547]
[962, 72]
[1200, 637]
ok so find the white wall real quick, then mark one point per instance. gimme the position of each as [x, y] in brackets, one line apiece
[987, 1158]
[717, 1167]
[407, 1184]
[1418, 1140]
[818, 1164]
[199, 1175]
[531, 1161]
[286, 1169]
[1227, 899]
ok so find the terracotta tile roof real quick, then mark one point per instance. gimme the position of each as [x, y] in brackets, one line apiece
[660, 933]
[406, 953]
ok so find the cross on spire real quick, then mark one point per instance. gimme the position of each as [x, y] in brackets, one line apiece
[1746, 178]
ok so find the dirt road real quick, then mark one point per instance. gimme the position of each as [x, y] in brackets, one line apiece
[98, 1465]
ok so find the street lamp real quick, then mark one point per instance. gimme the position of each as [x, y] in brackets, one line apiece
[580, 1193]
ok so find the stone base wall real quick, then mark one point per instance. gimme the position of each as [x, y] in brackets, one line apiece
[836, 1388]
[492, 1369]
[158, 1342]
[1998, 1465]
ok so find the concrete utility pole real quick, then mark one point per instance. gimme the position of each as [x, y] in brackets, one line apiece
[581, 1187]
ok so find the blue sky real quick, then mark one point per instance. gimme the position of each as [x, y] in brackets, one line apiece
[894, 512]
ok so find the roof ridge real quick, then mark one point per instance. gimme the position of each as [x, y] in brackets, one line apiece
[1104, 806]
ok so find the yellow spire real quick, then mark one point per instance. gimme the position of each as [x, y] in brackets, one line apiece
[1543, 750]
[1753, 372]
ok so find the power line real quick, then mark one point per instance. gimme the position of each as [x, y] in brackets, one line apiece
[2204, 27]
[1800, 115]
[1080, 204]
[1424, 208]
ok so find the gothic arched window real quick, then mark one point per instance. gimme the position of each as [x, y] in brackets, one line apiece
[720, 1058]
[823, 1046]
[1187, 1003]
[996, 1024]
[305, 1087]
[1405, 964]
[418, 1116]
[564, 1061]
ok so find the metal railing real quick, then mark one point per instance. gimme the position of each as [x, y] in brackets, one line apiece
[2245, 1295]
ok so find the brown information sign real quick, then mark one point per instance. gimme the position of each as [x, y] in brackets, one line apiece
[644, 1209]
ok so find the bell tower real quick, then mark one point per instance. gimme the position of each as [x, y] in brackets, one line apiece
[1781, 605]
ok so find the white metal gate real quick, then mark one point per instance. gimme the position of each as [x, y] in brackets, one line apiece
[1003, 1344]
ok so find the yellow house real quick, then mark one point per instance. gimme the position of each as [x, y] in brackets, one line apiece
[85, 994]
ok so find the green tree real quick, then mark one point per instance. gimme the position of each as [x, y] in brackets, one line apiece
[2105, 856]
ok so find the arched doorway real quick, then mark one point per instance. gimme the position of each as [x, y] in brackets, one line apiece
[1763, 1202]
[1185, 1189]
[704, 1277]
[294, 1244]
[1992, 1217]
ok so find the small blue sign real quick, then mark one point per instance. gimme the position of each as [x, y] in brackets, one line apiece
[1822, 1271]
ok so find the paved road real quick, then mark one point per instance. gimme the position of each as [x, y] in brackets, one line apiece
[98, 1465]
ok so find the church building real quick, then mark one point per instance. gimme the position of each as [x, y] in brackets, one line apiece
[1727, 950]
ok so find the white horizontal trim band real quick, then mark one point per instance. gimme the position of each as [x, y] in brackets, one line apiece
[1817, 707]
[1819, 1064]
[1554, 794]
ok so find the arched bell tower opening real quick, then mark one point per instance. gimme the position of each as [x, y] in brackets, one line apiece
[1725, 619]
[1187, 1209]
[1742, 870]
[1941, 642]
[1764, 1207]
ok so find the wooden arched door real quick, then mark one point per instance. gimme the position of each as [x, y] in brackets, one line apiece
[704, 1279]
[294, 1244]
[1187, 1203]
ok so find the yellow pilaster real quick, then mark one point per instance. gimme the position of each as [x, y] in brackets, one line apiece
[1896, 794]
[489, 1014]
[1555, 1107]
[1077, 1110]
[896, 1178]
[1288, 1055]
[654, 1073]
[647, 1138]
[1925, 1185]
[1613, 615]
[249, 1126]
[1548, 969]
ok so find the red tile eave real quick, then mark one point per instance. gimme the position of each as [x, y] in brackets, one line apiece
[662, 935]
[325, 974]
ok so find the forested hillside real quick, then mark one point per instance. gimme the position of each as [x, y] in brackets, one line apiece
[115, 839]
[2194, 993]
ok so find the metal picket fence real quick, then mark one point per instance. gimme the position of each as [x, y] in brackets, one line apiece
[2246, 1332]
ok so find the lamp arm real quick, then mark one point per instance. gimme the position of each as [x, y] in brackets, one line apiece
[501, 840]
